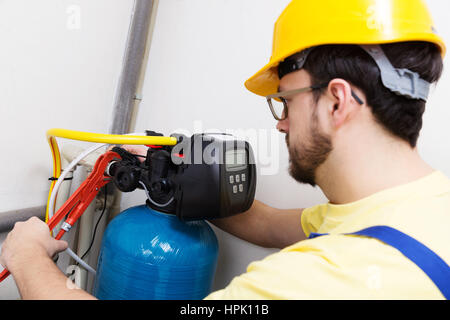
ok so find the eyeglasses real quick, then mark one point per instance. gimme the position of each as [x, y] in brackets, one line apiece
[278, 105]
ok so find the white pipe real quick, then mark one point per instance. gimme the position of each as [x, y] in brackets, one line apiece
[81, 262]
[63, 193]
[84, 230]
[64, 190]
[51, 209]
[61, 178]
[70, 152]
[152, 201]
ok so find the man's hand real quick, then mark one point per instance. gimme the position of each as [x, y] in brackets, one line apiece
[26, 253]
[139, 150]
[29, 240]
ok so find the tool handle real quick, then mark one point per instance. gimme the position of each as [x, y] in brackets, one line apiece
[5, 273]
[81, 198]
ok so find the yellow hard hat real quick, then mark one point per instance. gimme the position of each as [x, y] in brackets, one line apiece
[307, 23]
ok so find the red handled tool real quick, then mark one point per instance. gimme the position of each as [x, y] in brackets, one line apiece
[75, 206]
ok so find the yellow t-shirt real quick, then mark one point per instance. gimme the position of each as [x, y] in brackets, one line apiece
[354, 267]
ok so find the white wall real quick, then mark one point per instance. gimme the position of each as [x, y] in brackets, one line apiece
[54, 74]
[434, 145]
[60, 62]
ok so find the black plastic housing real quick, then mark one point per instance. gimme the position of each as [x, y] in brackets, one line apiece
[196, 179]
[203, 188]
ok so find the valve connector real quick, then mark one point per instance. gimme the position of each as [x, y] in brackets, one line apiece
[126, 178]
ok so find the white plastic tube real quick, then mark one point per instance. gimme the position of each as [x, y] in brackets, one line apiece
[63, 175]
[152, 201]
[61, 178]
[81, 262]
[70, 167]
[55, 192]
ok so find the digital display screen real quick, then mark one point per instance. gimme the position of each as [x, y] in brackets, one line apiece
[235, 159]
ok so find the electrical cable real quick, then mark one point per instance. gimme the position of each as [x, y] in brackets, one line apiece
[54, 193]
[90, 137]
[132, 138]
[52, 201]
[96, 225]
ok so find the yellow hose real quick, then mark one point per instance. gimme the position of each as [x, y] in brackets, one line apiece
[98, 138]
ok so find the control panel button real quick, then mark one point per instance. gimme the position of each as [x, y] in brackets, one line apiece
[243, 177]
[235, 188]
[231, 179]
[238, 179]
[241, 188]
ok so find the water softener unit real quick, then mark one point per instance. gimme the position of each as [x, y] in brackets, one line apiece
[147, 254]
[164, 249]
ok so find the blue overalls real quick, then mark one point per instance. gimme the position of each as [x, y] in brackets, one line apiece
[433, 265]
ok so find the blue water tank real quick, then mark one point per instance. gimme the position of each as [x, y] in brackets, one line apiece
[146, 254]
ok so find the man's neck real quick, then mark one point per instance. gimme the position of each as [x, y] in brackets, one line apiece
[358, 173]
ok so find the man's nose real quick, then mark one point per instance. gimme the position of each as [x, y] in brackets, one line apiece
[283, 125]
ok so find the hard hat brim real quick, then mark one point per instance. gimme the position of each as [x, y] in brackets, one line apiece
[266, 81]
[304, 24]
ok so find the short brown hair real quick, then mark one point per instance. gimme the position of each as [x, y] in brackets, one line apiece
[400, 115]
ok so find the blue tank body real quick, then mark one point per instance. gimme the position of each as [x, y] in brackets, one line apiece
[150, 255]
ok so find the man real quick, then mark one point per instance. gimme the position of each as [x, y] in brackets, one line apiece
[351, 80]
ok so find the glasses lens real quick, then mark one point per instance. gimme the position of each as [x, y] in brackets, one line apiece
[278, 108]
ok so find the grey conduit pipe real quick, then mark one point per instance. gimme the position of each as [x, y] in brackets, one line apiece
[134, 64]
[9, 218]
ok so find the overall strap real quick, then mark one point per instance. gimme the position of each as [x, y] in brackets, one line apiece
[433, 265]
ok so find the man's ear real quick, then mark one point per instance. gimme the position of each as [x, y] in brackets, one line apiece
[343, 104]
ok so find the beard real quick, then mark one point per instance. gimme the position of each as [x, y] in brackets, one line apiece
[305, 159]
